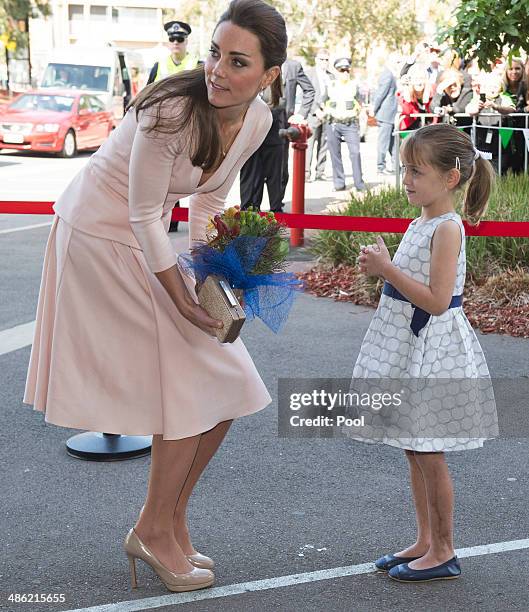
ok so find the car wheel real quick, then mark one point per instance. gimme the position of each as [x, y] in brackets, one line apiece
[69, 146]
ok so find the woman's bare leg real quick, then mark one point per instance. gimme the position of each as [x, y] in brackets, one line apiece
[208, 446]
[440, 496]
[422, 544]
[171, 462]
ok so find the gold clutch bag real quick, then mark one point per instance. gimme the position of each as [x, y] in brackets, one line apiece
[218, 299]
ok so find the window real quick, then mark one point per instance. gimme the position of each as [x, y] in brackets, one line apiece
[61, 104]
[76, 18]
[98, 13]
[76, 76]
[96, 106]
[75, 12]
[134, 17]
[84, 103]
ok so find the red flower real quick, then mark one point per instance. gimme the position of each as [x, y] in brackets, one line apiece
[222, 228]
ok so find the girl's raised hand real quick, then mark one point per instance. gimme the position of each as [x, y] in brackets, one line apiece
[374, 258]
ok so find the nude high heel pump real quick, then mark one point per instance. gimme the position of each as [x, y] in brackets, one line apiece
[197, 559]
[200, 560]
[198, 578]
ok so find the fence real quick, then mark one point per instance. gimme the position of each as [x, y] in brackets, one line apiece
[505, 133]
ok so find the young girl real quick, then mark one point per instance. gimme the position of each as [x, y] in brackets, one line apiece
[420, 332]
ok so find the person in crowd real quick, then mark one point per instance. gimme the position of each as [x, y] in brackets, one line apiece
[385, 109]
[122, 346]
[320, 77]
[265, 166]
[469, 68]
[487, 103]
[414, 96]
[293, 77]
[179, 59]
[451, 98]
[514, 88]
[254, 174]
[420, 333]
[425, 56]
[342, 110]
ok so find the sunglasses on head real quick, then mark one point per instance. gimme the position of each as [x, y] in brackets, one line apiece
[178, 38]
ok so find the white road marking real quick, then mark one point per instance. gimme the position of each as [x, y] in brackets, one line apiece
[150, 603]
[17, 337]
[24, 227]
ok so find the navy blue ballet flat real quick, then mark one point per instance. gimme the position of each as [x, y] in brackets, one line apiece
[385, 563]
[446, 571]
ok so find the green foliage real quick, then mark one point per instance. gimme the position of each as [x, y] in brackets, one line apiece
[484, 27]
[313, 23]
[13, 19]
[368, 22]
[485, 255]
[233, 223]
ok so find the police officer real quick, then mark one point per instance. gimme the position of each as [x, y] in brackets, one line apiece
[342, 110]
[178, 59]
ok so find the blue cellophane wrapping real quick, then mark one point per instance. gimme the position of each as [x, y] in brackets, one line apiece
[266, 296]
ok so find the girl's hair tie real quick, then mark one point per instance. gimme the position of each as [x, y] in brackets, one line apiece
[482, 154]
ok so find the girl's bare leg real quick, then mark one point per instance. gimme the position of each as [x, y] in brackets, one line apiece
[440, 497]
[422, 544]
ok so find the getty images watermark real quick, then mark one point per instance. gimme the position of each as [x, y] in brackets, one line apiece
[376, 409]
[335, 405]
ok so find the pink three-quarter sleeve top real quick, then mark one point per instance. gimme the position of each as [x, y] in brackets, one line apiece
[128, 188]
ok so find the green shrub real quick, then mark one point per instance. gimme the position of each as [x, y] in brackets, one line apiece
[485, 255]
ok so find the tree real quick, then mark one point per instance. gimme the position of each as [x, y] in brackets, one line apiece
[313, 23]
[486, 29]
[368, 22]
[14, 16]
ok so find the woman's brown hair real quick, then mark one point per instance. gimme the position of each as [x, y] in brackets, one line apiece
[195, 113]
[445, 147]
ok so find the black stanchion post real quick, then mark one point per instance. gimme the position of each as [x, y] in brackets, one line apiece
[396, 147]
[92, 446]
[526, 142]
[499, 147]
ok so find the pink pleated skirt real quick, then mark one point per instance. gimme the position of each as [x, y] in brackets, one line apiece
[113, 354]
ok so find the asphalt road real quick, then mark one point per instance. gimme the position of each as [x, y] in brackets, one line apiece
[264, 501]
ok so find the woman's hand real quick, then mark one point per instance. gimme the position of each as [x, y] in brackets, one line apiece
[173, 283]
[195, 314]
[374, 258]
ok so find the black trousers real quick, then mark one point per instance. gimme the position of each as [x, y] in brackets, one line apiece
[318, 142]
[173, 227]
[284, 170]
[264, 166]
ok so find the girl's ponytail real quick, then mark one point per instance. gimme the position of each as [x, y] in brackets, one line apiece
[478, 191]
[446, 147]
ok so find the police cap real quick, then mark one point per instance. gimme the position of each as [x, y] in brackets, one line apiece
[174, 28]
[343, 62]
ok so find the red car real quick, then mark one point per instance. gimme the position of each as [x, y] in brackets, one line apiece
[55, 121]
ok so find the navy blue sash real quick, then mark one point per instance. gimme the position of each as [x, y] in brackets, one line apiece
[420, 316]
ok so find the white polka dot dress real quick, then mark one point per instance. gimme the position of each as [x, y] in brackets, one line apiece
[448, 403]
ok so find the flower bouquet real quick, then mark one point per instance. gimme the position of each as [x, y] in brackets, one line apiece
[243, 260]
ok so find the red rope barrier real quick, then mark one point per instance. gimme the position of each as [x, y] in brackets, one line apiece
[504, 229]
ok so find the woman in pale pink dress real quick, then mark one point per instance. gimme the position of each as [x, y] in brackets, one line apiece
[121, 344]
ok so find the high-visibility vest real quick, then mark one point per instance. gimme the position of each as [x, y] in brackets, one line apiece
[166, 67]
[342, 104]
